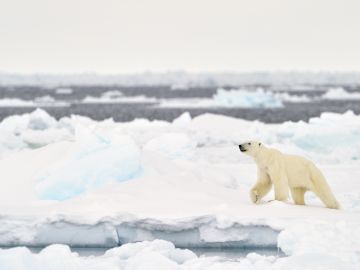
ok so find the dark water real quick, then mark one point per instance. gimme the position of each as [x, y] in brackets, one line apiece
[128, 112]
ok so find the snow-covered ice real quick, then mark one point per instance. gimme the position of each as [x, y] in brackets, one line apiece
[79, 182]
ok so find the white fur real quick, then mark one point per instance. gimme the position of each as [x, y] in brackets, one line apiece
[286, 172]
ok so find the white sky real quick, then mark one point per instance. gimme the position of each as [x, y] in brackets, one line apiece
[124, 36]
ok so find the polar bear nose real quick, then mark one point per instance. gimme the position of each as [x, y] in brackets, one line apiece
[242, 149]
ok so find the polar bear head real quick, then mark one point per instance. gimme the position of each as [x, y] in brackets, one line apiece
[250, 148]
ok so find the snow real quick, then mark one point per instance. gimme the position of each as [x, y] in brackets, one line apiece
[80, 182]
[341, 94]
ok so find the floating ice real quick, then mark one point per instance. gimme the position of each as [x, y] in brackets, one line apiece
[116, 96]
[48, 101]
[45, 101]
[237, 98]
[246, 99]
[15, 102]
[340, 93]
[64, 91]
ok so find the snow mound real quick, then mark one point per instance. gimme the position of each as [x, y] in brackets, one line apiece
[97, 160]
[340, 93]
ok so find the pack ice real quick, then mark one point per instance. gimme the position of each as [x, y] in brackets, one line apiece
[84, 183]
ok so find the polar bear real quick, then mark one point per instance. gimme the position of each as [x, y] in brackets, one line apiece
[286, 172]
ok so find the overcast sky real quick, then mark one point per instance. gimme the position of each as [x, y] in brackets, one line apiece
[125, 36]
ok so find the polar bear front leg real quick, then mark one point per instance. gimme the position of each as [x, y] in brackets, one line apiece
[280, 181]
[261, 188]
[298, 195]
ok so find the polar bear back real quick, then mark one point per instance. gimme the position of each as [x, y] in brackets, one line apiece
[298, 170]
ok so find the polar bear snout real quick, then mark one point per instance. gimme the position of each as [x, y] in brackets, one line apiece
[242, 148]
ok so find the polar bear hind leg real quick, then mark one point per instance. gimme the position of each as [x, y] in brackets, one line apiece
[322, 189]
[298, 195]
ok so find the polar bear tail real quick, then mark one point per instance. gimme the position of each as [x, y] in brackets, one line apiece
[322, 188]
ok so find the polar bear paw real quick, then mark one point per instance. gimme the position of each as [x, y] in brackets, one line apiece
[254, 195]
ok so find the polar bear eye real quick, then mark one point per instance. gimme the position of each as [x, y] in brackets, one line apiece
[249, 143]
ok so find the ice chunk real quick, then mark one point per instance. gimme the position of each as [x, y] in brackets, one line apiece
[165, 248]
[40, 120]
[32, 130]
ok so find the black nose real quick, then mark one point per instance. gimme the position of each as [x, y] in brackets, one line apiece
[242, 149]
